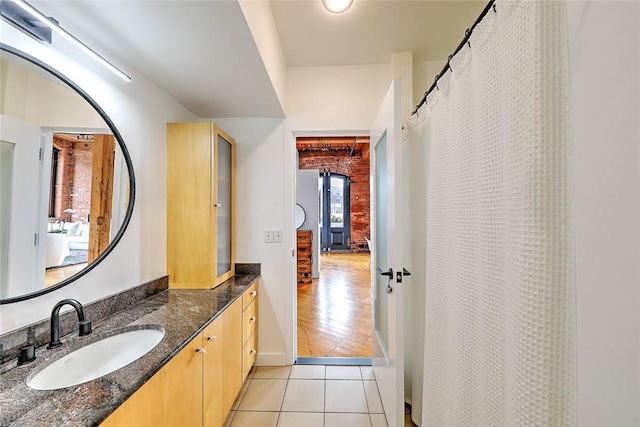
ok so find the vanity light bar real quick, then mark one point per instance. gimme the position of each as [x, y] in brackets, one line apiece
[59, 30]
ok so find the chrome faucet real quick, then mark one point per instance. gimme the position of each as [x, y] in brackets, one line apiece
[84, 325]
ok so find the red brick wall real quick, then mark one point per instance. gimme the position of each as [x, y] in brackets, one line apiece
[356, 169]
[83, 168]
[73, 181]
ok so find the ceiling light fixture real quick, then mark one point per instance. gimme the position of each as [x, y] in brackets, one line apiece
[59, 30]
[337, 6]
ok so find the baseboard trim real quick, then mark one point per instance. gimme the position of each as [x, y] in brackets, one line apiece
[270, 359]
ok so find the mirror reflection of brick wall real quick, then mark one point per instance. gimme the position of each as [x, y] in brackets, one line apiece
[73, 180]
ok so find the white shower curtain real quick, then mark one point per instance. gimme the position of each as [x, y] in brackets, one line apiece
[499, 297]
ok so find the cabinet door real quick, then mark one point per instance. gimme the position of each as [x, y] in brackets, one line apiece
[222, 376]
[224, 161]
[172, 397]
[189, 198]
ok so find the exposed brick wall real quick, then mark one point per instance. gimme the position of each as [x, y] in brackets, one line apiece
[73, 180]
[358, 170]
[83, 158]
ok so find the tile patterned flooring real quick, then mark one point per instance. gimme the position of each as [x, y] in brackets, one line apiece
[308, 396]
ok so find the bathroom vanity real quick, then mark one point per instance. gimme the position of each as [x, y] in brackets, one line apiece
[190, 378]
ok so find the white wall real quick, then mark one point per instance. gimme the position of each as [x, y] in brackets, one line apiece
[335, 98]
[260, 205]
[424, 74]
[265, 34]
[140, 111]
[605, 99]
[40, 101]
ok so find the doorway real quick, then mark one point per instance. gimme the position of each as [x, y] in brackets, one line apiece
[334, 309]
[335, 212]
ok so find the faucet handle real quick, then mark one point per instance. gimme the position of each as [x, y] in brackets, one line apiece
[85, 327]
[27, 354]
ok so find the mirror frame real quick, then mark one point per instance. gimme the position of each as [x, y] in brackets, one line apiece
[304, 215]
[128, 162]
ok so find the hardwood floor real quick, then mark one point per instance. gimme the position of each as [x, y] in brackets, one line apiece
[56, 275]
[334, 312]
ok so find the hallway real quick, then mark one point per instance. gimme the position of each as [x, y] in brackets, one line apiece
[334, 312]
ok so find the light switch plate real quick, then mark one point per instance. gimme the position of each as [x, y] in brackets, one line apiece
[272, 236]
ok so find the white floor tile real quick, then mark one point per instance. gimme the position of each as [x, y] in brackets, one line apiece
[301, 419]
[345, 396]
[251, 372]
[272, 372]
[373, 397]
[304, 396]
[254, 419]
[308, 372]
[343, 373]
[227, 422]
[263, 395]
[378, 420]
[303, 393]
[367, 373]
[346, 420]
[241, 394]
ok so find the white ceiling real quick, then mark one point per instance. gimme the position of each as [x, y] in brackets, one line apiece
[370, 31]
[202, 52]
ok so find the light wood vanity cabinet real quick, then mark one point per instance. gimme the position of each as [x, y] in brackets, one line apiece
[199, 385]
[172, 397]
[222, 370]
[200, 205]
[249, 328]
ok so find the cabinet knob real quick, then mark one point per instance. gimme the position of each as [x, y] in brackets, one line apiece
[213, 338]
[217, 205]
[253, 294]
[201, 350]
[252, 352]
[251, 320]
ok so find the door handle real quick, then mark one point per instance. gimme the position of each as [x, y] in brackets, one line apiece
[405, 272]
[386, 273]
[389, 274]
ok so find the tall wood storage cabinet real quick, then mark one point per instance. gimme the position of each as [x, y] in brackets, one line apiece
[305, 256]
[200, 205]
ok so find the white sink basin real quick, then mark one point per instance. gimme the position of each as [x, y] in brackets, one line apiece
[96, 359]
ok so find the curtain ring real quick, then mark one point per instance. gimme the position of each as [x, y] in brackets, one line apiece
[449, 62]
[467, 34]
[494, 8]
[436, 83]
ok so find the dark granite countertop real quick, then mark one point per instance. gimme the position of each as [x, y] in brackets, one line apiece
[182, 313]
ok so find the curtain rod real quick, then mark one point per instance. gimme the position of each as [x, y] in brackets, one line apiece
[465, 40]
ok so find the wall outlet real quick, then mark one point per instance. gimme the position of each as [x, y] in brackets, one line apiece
[272, 236]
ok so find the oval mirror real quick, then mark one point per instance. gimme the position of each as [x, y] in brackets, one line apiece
[301, 215]
[67, 186]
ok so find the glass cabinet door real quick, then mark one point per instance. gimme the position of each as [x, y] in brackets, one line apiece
[223, 207]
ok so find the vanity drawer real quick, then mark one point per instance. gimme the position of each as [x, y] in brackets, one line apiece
[249, 321]
[249, 295]
[250, 351]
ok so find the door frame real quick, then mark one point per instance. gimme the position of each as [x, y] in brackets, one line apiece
[291, 159]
